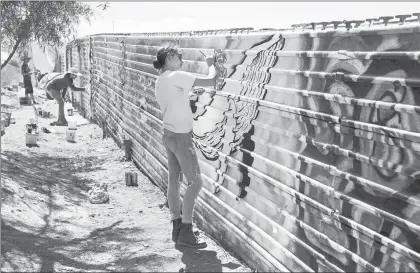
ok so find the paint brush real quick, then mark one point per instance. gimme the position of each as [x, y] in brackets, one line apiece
[203, 53]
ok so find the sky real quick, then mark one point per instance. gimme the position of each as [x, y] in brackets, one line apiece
[184, 16]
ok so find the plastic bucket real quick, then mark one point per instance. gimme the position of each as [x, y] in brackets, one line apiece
[31, 139]
[71, 135]
[72, 125]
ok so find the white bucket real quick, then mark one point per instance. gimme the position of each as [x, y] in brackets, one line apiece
[71, 135]
[31, 139]
[72, 125]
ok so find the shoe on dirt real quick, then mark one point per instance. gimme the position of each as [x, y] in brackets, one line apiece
[45, 130]
[176, 229]
[188, 239]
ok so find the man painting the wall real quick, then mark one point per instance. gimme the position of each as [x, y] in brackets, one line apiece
[26, 73]
[54, 87]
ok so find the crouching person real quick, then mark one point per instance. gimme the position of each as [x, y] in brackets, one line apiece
[54, 88]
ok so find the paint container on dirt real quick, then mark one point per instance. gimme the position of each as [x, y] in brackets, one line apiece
[31, 139]
[128, 179]
[127, 148]
[8, 118]
[15, 88]
[72, 125]
[12, 120]
[44, 114]
[71, 135]
[70, 112]
[31, 128]
[134, 179]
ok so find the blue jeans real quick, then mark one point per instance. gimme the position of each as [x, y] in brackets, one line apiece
[182, 159]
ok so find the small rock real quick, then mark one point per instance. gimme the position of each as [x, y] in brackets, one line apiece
[99, 194]
[110, 208]
[141, 211]
[145, 245]
[161, 206]
[150, 207]
[92, 215]
[19, 210]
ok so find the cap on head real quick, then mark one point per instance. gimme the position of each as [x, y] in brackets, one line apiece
[74, 71]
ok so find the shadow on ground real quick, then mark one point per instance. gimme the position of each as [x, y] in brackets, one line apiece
[202, 260]
[48, 251]
[40, 172]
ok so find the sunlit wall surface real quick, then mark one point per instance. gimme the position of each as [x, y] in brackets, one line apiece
[309, 145]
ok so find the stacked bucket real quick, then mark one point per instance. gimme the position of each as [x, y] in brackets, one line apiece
[71, 131]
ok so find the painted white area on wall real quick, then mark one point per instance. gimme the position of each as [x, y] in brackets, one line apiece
[183, 16]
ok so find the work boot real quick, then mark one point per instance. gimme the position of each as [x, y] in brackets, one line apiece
[187, 237]
[176, 229]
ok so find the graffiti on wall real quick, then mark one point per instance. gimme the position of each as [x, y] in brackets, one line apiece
[318, 132]
[225, 126]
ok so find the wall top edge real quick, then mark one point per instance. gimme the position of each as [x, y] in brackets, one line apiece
[297, 30]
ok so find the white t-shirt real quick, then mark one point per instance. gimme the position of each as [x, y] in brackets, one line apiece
[172, 88]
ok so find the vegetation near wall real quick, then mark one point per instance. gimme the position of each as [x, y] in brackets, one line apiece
[309, 145]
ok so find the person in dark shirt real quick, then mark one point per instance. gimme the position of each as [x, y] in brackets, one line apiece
[54, 88]
[26, 73]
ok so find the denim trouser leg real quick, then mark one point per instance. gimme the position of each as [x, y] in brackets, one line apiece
[182, 157]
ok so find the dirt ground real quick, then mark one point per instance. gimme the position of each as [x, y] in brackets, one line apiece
[48, 224]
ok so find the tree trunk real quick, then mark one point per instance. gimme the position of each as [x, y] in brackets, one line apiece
[11, 54]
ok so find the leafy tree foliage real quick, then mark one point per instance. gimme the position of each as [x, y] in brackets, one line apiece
[50, 23]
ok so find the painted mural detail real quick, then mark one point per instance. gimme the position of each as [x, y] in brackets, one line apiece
[234, 129]
[220, 60]
[384, 162]
[234, 126]
[334, 124]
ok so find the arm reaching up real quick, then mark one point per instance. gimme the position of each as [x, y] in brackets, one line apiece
[210, 80]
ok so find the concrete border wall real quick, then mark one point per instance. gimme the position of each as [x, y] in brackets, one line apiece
[309, 145]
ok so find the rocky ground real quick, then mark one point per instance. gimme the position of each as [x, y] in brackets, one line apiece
[48, 223]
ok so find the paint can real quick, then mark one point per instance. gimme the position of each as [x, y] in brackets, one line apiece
[127, 148]
[8, 118]
[72, 125]
[128, 179]
[71, 135]
[31, 139]
[31, 128]
[134, 179]
[15, 87]
[70, 112]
